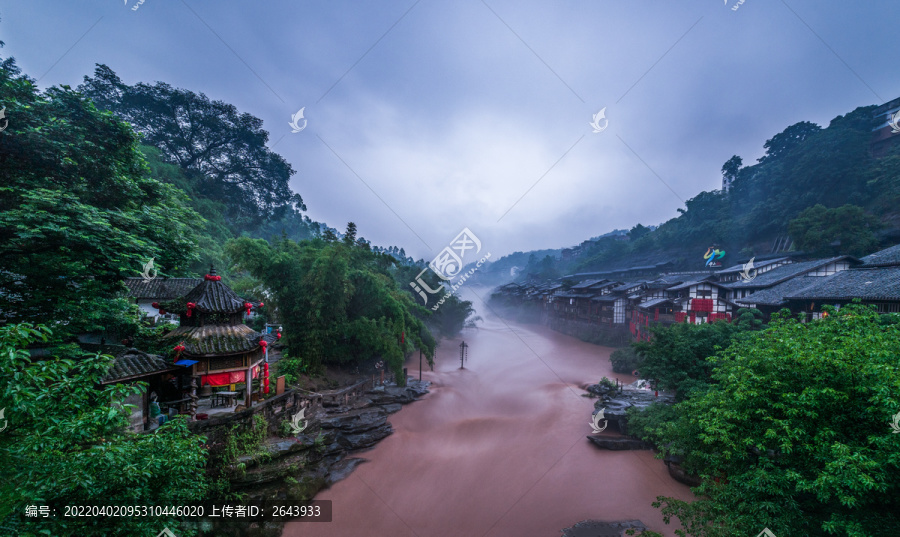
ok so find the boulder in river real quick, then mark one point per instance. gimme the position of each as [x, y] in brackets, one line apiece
[598, 528]
[618, 443]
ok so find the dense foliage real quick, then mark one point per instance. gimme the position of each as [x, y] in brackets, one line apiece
[626, 360]
[224, 148]
[338, 300]
[793, 434]
[78, 211]
[65, 445]
[676, 356]
[827, 232]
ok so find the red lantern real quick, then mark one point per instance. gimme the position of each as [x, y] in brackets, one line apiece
[278, 335]
[263, 344]
[402, 337]
[266, 377]
[162, 312]
[190, 308]
[155, 305]
[260, 305]
[247, 306]
[178, 350]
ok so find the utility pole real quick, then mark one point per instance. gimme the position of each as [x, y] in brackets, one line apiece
[463, 354]
[420, 365]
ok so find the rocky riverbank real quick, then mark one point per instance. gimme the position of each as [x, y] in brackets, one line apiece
[295, 468]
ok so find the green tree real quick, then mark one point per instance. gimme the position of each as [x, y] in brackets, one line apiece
[791, 137]
[226, 148]
[842, 230]
[65, 445]
[676, 356]
[338, 302]
[350, 234]
[731, 168]
[794, 434]
[637, 232]
[78, 211]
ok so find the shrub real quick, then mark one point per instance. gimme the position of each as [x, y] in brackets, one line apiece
[626, 360]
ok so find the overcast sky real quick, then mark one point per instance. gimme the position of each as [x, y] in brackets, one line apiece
[425, 117]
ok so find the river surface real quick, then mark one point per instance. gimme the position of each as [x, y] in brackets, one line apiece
[498, 449]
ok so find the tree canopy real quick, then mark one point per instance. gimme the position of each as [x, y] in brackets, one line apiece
[78, 211]
[65, 444]
[794, 433]
[226, 149]
[841, 230]
[338, 301]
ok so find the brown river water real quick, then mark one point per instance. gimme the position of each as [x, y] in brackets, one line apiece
[498, 449]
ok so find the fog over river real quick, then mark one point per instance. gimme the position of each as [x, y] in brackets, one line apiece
[498, 448]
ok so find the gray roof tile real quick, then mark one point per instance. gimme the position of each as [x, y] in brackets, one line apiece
[879, 283]
[160, 288]
[134, 364]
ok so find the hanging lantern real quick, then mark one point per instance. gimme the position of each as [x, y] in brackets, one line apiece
[260, 305]
[263, 344]
[248, 306]
[190, 308]
[266, 377]
[155, 305]
[162, 311]
[278, 335]
[178, 350]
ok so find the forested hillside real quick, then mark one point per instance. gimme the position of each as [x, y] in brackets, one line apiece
[101, 179]
[819, 186]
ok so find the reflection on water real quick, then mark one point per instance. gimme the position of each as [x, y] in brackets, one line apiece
[498, 448]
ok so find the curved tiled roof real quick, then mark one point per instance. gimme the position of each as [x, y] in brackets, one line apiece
[133, 364]
[160, 288]
[879, 283]
[774, 296]
[785, 272]
[888, 256]
[213, 296]
[215, 339]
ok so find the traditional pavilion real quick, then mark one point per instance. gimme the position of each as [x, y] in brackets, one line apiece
[212, 338]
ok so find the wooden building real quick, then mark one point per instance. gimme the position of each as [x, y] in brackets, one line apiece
[218, 346]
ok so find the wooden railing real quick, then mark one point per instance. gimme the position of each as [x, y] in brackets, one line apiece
[277, 410]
